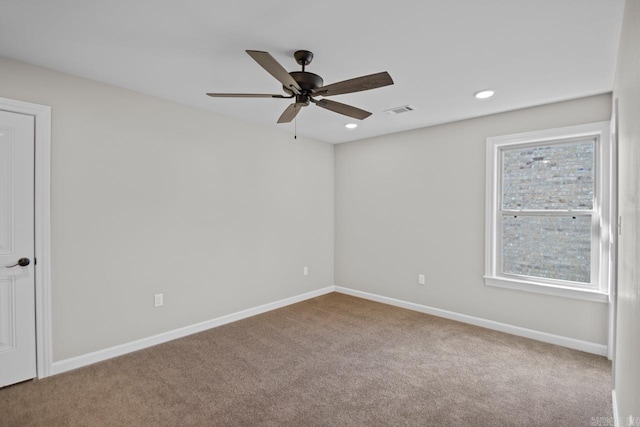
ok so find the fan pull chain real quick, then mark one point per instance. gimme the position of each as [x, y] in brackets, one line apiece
[295, 128]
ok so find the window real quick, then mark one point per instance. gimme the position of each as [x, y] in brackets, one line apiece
[547, 211]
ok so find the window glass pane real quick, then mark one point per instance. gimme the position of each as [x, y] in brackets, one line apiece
[552, 247]
[555, 176]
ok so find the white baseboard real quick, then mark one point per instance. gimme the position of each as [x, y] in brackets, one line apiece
[119, 350]
[585, 346]
[614, 404]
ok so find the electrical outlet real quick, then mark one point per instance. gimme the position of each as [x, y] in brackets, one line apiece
[158, 300]
[421, 280]
[305, 270]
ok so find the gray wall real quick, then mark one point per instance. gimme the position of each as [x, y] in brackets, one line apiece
[152, 197]
[627, 91]
[413, 202]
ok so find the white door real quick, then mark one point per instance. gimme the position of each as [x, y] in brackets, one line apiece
[17, 285]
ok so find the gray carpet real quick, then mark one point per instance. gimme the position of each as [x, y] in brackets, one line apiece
[334, 360]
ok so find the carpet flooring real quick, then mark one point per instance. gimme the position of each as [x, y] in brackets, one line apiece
[334, 360]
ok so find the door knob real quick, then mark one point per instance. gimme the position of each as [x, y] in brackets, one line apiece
[22, 262]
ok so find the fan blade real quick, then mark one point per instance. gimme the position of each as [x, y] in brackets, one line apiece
[290, 113]
[358, 84]
[340, 108]
[246, 95]
[274, 68]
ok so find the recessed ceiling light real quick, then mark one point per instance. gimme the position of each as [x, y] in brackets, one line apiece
[484, 94]
[351, 125]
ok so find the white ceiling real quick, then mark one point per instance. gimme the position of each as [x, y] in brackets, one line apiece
[438, 52]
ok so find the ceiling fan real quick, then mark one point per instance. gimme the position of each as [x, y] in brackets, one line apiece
[305, 86]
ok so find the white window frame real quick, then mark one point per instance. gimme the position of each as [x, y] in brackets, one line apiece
[598, 289]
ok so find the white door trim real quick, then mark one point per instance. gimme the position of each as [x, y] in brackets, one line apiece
[615, 230]
[42, 116]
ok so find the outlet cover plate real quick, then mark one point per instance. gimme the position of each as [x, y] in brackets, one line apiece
[158, 300]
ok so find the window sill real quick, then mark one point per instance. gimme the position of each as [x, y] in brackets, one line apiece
[523, 285]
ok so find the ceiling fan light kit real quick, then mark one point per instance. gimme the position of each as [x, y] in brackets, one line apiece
[305, 87]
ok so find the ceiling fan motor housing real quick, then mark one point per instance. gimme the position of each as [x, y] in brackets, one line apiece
[308, 82]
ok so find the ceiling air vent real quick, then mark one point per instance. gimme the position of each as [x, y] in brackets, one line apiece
[400, 110]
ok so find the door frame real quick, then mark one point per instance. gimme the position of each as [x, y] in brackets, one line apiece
[615, 231]
[42, 227]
